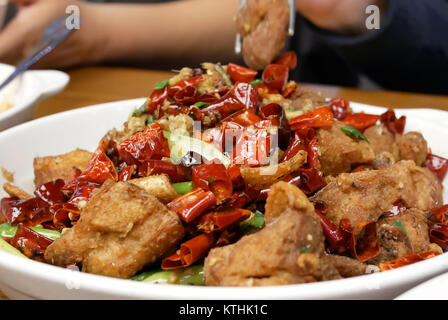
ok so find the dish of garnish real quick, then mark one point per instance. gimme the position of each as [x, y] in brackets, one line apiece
[225, 179]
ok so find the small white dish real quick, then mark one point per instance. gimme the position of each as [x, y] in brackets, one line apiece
[83, 128]
[25, 91]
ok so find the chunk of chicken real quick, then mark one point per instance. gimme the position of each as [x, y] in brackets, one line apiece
[121, 230]
[158, 186]
[411, 146]
[404, 234]
[290, 249]
[366, 195]
[264, 26]
[338, 151]
[50, 168]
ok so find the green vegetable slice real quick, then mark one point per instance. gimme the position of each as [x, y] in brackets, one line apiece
[256, 220]
[183, 187]
[9, 231]
[140, 110]
[256, 82]
[5, 246]
[354, 132]
[161, 85]
[400, 225]
[193, 275]
[181, 145]
[150, 119]
[201, 104]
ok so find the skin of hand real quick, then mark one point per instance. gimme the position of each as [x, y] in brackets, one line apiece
[174, 33]
[24, 31]
[340, 16]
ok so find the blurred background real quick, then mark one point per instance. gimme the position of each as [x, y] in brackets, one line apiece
[408, 53]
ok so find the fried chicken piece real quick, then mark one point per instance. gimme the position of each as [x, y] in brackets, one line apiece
[403, 234]
[411, 146]
[121, 230]
[382, 140]
[366, 195]
[339, 152]
[347, 267]
[16, 192]
[264, 26]
[158, 186]
[290, 249]
[63, 166]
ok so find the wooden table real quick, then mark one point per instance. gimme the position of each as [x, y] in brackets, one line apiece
[93, 85]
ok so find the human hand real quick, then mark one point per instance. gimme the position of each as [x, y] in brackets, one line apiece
[341, 16]
[24, 31]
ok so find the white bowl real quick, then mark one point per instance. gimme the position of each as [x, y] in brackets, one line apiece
[434, 289]
[63, 132]
[24, 92]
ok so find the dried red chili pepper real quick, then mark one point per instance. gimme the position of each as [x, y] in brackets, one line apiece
[99, 169]
[242, 96]
[360, 121]
[213, 176]
[158, 98]
[244, 118]
[30, 243]
[307, 180]
[30, 212]
[319, 118]
[189, 252]
[83, 192]
[155, 167]
[438, 165]
[407, 260]
[288, 59]
[242, 198]
[144, 146]
[64, 215]
[439, 214]
[339, 107]
[397, 208]
[192, 82]
[275, 76]
[362, 241]
[126, 172]
[51, 192]
[219, 220]
[332, 233]
[392, 123]
[191, 205]
[186, 96]
[289, 89]
[438, 233]
[240, 74]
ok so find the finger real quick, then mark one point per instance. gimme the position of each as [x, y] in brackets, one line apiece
[12, 41]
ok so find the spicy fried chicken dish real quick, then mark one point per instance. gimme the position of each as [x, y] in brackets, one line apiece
[230, 177]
